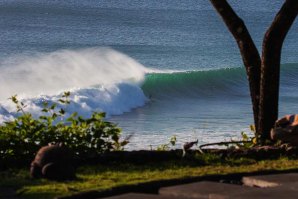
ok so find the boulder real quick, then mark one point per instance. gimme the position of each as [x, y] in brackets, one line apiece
[54, 162]
[286, 130]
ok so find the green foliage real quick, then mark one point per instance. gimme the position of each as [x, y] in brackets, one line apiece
[246, 141]
[22, 137]
[166, 147]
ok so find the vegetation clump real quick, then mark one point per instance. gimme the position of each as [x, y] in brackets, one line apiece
[21, 138]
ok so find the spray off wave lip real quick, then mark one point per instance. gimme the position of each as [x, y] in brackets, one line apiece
[49, 73]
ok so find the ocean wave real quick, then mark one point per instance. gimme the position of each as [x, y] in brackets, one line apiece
[101, 79]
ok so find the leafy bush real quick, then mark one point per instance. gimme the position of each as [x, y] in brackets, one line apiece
[22, 137]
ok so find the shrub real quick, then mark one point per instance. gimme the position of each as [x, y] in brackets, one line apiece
[22, 137]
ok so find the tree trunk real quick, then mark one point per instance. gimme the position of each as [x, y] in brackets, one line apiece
[270, 68]
[248, 50]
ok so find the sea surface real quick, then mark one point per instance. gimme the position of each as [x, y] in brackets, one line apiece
[158, 68]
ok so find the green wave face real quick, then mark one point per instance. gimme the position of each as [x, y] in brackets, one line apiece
[228, 82]
[195, 83]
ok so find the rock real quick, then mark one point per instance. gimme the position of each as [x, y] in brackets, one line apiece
[286, 130]
[54, 162]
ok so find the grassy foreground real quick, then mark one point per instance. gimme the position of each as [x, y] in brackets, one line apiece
[103, 177]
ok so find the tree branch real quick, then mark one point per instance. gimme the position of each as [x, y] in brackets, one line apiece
[223, 143]
[248, 50]
[270, 68]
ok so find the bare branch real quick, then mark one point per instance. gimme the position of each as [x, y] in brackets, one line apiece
[249, 52]
[223, 143]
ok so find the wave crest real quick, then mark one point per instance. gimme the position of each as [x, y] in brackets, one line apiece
[50, 73]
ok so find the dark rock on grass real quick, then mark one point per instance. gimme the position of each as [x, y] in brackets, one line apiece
[54, 162]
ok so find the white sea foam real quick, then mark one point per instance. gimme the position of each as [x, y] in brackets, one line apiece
[100, 79]
[162, 71]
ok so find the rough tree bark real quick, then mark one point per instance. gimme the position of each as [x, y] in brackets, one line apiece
[263, 74]
[270, 68]
[248, 50]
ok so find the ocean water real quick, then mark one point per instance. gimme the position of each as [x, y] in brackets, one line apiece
[157, 68]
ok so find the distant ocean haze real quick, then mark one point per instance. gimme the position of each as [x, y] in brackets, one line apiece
[157, 68]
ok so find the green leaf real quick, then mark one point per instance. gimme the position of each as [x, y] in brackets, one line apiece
[45, 110]
[53, 106]
[252, 128]
[66, 94]
[62, 111]
[14, 99]
[62, 101]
